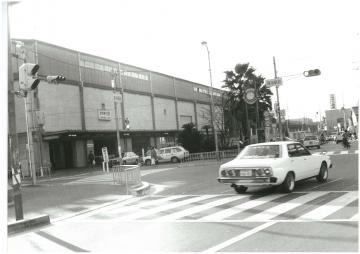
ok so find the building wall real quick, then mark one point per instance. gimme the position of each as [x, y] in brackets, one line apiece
[185, 109]
[165, 115]
[93, 100]
[333, 116]
[60, 105]
[138, 111]
[162, 85]
[203, 115]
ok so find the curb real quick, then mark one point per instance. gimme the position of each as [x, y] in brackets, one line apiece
[26, 224]
[142, 190]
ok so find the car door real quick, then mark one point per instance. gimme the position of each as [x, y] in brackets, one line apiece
[307, 164]
[167, 154]
[295, 161]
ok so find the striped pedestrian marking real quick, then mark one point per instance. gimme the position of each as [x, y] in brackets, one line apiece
[331, 207]
[330, 153]
[242, 207]
[145, 212]
[200, 208]
[282, 208]
[344, 152]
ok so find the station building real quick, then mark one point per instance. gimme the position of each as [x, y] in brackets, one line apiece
[69, 119]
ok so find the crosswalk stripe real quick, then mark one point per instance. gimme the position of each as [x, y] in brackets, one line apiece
[331, 207]
[144, 212]
[242, 207]
[199, 208]
[282, 208]
[344, 152]
[329, 153]
[355, 217]
[146, 203]
[356, 151]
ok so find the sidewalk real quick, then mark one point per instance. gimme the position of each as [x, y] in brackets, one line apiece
[56, 197]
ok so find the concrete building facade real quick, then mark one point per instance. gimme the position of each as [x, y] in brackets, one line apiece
[69, 119]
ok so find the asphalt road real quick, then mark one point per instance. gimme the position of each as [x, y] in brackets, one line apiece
[189, 211]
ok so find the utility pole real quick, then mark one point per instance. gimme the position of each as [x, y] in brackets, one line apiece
[113, 85]
[13, 145]
[278, 103]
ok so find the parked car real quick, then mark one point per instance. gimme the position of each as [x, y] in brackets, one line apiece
[168, 154]
[274, 164]
[311, 141]
[127, 158]
[130, 158]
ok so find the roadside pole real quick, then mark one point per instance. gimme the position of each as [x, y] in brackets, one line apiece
[13, 145]
[278, 103]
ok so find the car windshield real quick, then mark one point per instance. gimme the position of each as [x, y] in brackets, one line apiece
[260, 152]
[310, 138]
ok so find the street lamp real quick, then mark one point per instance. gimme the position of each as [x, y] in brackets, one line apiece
[116, 98]
[204, 43]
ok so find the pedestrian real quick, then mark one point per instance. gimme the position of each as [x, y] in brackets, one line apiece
[91, 159]
[153, 156]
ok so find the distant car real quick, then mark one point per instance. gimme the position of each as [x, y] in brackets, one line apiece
[130, 158]
[339, 137]
[274, 164]
[311, 141]
[168, 154]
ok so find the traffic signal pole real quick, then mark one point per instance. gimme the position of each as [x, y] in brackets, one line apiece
[13, 145]
[278, 103]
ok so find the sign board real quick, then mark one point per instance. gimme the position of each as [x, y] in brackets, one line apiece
[105, 154]
[273, 82]
[250, 96]
[282, 113]
[104, 115]
[118, 97]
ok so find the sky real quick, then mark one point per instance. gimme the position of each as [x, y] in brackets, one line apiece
[166, 36]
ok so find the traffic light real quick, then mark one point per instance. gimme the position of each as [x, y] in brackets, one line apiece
[28, 79]
[310, 73]
[55, 79]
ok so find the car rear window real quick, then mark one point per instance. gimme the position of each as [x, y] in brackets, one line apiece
[310, 138]
[260, 152]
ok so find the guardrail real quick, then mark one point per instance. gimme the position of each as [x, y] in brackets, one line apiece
[212, 155]
[128, 175]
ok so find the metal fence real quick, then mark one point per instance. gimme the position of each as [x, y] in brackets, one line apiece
[128, 175]
[212, 155]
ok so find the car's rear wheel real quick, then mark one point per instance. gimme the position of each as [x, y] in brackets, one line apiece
[240, 189]
[174, 160]
[136, 162]
[148, 162]
[323, 173]
[289, 183]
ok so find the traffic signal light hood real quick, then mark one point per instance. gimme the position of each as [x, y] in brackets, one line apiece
[310, 73]
[28, 79]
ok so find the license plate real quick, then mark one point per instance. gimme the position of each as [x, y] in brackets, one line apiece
[246, 172]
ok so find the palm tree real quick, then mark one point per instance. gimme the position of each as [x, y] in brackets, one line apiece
[236, 83]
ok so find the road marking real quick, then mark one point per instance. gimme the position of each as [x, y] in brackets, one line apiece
[344, 152]
[318, 186]
[239, 237]
[240, 208]
[356, 151]
[282, 208]
[331, 207]
[329, 153]
[355, 217]
[199, 208]
[144, 213]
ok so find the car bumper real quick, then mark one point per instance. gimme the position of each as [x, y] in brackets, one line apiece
[254, 181]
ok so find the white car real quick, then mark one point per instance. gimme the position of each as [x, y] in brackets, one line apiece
[274, 163]
[311, 141]
[168, 154]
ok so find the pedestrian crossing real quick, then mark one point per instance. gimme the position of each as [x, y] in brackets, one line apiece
[338, 152]
[292, 207]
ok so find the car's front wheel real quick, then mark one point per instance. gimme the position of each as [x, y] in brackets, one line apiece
[323, 173]
[289, 183]
[240, 189]
[174, 160]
